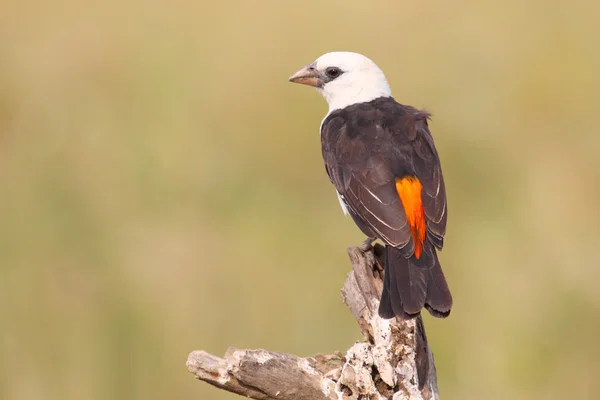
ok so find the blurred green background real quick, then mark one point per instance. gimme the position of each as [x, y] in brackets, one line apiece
[163, 189]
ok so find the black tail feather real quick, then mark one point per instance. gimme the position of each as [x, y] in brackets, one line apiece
[410, 285]
[385, 305]
[439, 299]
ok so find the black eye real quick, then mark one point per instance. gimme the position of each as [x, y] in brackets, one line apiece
[333, 72]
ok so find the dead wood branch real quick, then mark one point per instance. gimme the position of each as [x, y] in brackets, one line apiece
[393, 362]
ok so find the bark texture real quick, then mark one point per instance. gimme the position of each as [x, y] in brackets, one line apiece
[393, 362]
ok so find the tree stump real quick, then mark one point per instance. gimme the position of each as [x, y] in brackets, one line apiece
[393, 362]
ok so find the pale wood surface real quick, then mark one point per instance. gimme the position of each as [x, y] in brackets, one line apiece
[389, 364]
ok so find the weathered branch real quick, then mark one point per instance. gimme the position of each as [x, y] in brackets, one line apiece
[393, 361]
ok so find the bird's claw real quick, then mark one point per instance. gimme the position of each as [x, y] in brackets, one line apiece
[367, 245]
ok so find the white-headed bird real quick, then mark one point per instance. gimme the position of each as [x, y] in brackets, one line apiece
[380, 156]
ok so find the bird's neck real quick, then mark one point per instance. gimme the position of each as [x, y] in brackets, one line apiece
[350, 96]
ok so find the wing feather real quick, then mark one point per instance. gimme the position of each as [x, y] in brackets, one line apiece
[365, 148]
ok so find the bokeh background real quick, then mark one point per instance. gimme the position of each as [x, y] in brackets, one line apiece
[163, 189]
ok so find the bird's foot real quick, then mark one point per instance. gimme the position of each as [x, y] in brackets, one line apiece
[367, 245]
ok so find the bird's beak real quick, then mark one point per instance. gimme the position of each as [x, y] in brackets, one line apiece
[307, 75]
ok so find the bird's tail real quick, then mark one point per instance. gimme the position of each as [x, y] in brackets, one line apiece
[411, 284]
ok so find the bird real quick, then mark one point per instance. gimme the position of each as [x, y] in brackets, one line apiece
[381, 158]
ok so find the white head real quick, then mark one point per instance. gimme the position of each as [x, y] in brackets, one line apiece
[344, 78]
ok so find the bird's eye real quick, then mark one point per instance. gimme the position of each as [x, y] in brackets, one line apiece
[333, 72]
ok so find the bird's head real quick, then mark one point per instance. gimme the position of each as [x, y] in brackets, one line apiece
[344, 78]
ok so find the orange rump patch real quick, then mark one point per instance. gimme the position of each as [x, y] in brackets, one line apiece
[409, 190]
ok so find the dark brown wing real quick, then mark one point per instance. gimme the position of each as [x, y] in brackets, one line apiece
[366, 147]
[428, 170]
